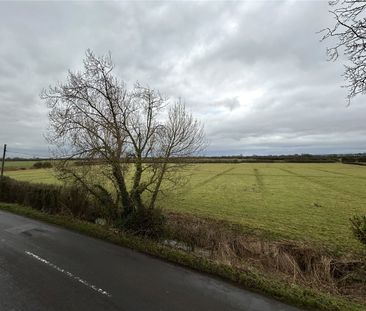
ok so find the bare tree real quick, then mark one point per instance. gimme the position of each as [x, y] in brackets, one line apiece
[132, 134]
[349, 31]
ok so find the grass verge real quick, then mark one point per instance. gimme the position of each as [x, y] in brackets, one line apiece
[310, 202]
[250, 279]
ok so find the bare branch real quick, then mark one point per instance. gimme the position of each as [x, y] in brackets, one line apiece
[350, 32]
[94, 117]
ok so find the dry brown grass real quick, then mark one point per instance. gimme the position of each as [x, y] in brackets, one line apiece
[293, 261]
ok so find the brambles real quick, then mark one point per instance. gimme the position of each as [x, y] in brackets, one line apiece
[359, 228]
[148, 222]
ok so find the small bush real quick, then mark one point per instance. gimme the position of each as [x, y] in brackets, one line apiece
[42, 165]
[149, 222]
[50, 198]
[359, 228]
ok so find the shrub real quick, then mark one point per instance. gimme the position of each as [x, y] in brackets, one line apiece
[42, 165]
[50, 198]
[149, 222]
[359, 228]
[76, 201]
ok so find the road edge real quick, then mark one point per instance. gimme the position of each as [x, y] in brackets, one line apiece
[250, 280]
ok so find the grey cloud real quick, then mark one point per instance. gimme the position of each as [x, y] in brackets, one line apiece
[229, 103]
[254, 72]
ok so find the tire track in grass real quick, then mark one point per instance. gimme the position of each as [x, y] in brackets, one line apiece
[324, 185]
[261, 187]
[190, 188]
[208, 180]
[259, 179]
[338, 173]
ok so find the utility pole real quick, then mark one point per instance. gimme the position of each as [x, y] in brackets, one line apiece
[3, 162]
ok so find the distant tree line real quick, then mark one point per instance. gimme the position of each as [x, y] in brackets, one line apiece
[357, 158]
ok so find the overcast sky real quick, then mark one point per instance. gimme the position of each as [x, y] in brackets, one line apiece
[254, 72]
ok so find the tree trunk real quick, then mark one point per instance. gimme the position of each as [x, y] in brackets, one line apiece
[125, 197]
[136, 191]
[157, 187]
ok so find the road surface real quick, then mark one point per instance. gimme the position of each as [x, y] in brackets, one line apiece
[45, 267]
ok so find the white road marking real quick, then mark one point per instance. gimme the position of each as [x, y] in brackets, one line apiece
[69, 274]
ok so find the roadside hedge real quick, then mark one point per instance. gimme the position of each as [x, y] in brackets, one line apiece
[52, 199]
[72, 208]
[251, 279]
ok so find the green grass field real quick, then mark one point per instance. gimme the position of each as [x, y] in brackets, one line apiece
[18, 164]
[311, 202]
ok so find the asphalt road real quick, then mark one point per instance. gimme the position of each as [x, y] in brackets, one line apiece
[44, 267]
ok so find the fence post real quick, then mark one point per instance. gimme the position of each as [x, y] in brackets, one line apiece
[3, 162]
